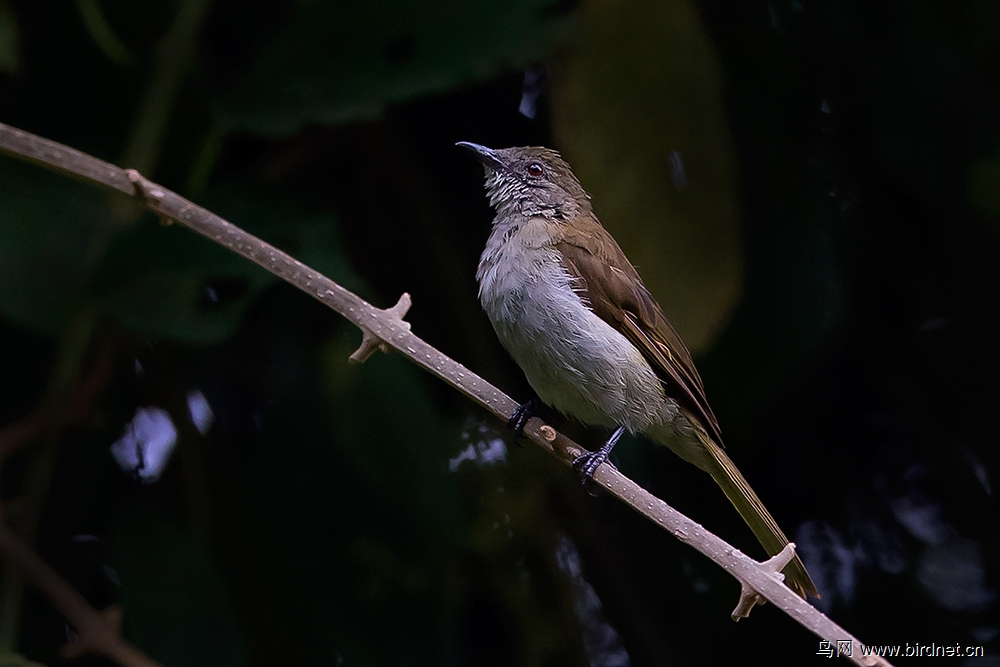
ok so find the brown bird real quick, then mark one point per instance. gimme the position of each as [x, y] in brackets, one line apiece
[574, 314]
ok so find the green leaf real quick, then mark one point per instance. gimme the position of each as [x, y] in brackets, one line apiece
[46, 230]
[638, 113]
[179, 608]
[343, 61]
[162, 282]
[166, 282]
[169, 282]
[405, 457]
[10, 41]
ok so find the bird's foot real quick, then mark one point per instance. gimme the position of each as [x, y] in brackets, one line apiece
[588, 463]
[521, 415]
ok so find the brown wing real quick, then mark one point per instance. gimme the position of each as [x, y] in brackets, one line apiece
[608, 281]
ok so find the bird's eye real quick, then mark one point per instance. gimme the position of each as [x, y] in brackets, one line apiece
[535, 169]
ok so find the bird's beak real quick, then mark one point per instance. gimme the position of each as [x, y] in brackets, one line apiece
[485, 155]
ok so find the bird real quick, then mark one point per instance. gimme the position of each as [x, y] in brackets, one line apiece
[593, 343]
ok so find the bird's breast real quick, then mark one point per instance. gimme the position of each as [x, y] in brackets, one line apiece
[573, 359]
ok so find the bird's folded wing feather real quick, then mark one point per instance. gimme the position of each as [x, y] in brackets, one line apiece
[606, 280]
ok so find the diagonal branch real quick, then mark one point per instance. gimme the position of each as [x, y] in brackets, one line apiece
[386, 328]
[98, 632]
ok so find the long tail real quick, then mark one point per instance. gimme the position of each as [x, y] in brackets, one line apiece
[750, 507]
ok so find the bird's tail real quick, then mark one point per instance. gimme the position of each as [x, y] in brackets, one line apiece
[750, 507]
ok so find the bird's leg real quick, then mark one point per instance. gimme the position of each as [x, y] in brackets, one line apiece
[589, 462]
[522, 414]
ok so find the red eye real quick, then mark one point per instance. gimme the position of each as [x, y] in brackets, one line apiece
[535, 169]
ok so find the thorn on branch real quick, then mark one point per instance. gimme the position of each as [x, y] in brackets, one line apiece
[773, 565]
[150, 193]
[370, 343]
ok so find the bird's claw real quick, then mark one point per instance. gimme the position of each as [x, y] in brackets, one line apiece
[521, 415]
[587, 464]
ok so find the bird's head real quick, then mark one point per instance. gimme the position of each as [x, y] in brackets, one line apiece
[530, 181]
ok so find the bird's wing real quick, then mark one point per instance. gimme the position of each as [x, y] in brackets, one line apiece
[606, 280]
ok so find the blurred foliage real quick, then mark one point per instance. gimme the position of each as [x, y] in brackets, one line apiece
[45, 227]
[637, 107]
[338, 62]
[810, 188]
[9, 41]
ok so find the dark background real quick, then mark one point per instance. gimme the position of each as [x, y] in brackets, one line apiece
[811, 189]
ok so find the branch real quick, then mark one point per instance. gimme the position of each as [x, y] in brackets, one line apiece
[68, 400]
[98, 632]
[386, 329]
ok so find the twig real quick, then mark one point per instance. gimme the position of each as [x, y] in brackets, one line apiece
[98, 632]
[386, 328]
[68, 400]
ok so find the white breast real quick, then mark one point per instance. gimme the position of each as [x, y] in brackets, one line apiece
[574, 360]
